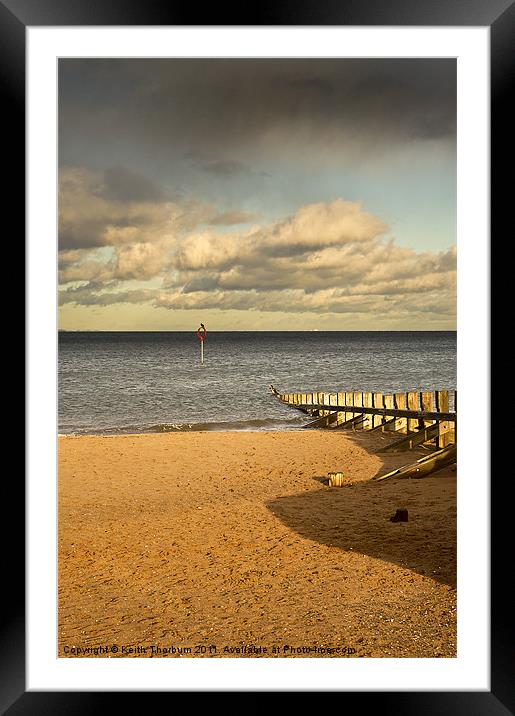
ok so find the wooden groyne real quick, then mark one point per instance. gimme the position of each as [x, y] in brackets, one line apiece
[418, 417]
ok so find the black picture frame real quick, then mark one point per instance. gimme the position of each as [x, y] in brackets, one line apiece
[499, 16]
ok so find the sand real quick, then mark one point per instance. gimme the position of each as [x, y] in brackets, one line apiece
[214, 545]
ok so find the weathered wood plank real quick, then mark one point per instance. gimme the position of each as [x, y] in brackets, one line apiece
[351, 423]
[368, 402]
[353, 404]
[333, 400]
[349, 399]
[323, 421]
[358, 402]
[424, 466]
[442, 404]
[389, 402]
[377, 402]
[427, 403]
[400, 403]
[413, 404]
[416, 415]
[341, 401]
[412, 439]
[384, 426]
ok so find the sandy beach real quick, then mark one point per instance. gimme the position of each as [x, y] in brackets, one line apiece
[232, 545]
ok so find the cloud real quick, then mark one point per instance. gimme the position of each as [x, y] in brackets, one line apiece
[225, 168]
[221, 107]
[163, 132]
[231, 218]
[122, 184]
[118, 207]
[85, 296]
[328, 257]
[323, 224]
[312, 228]
[140, 261]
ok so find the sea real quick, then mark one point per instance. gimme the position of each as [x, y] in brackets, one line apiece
[142, 382]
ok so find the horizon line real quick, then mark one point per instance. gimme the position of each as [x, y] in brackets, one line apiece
[262, 330]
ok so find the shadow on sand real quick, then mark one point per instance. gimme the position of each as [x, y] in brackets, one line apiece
[356, 517]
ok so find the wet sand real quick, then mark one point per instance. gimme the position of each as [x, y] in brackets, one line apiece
[232, 545]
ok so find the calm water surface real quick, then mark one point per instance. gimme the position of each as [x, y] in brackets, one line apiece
[139, 382]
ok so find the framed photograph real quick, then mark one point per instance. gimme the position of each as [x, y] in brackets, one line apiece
[257, 290]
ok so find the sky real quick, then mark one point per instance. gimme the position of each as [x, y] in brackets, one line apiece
[257, 194]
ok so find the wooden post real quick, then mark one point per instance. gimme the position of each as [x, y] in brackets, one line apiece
[325, 398]
[401, 424]
[413, 404]
[388, 403]
[442, 404]
[341, 401]
[349, 400]
[368, 402]
[336, 479]
[378, 403]
[333, 400]
[427, 403]
[358, 402]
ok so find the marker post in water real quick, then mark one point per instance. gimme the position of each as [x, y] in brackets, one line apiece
[201, 333]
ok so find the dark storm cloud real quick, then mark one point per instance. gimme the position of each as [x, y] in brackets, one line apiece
[90, 203]
[120, 206]
[122, 184]
[214, 106]
[86, 233]
[225, 168]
